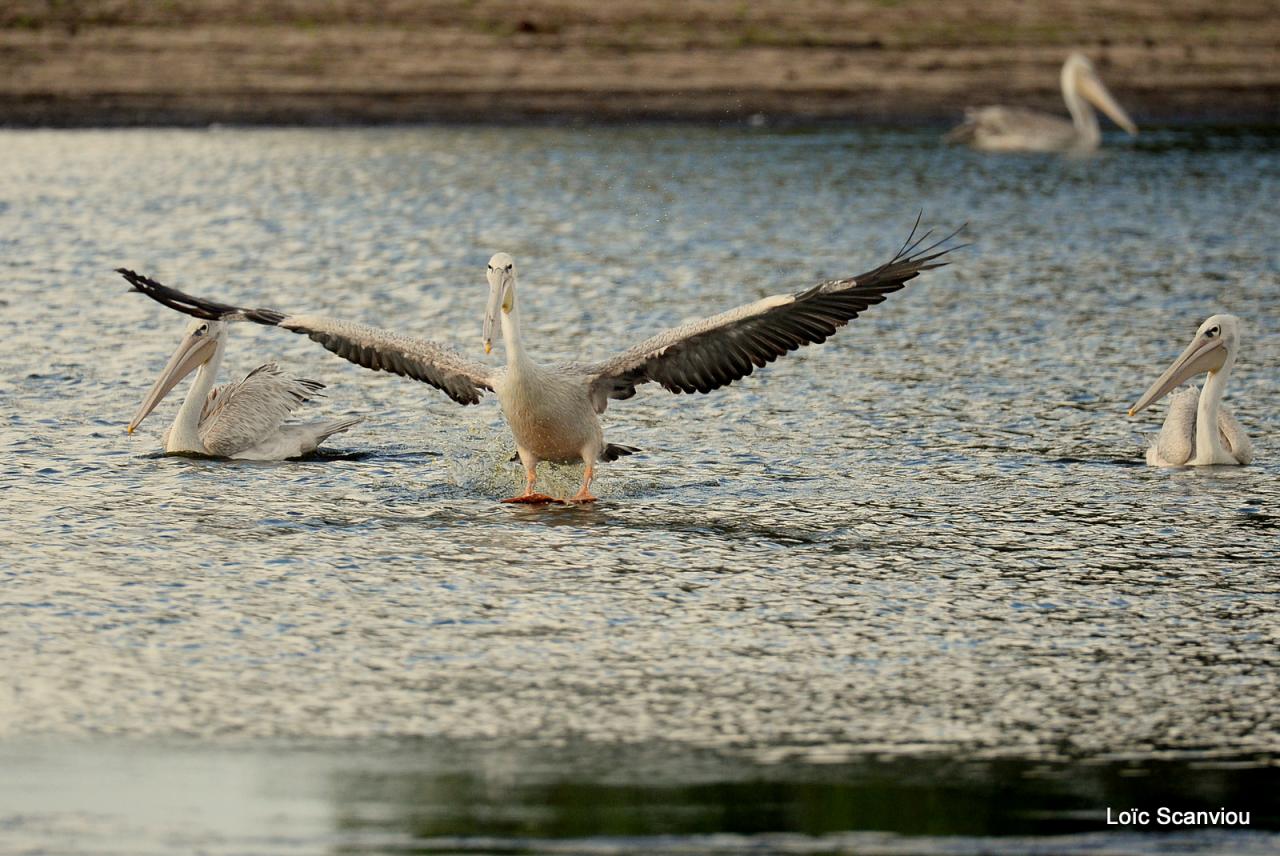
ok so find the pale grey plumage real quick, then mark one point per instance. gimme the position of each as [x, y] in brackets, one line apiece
[549, 412]
[463, 380]
[238, 416]
[1013, 129]
[1234, 438]
[1176, 442]
[1175, 445]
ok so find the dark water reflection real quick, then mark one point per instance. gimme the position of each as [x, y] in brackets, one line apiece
[698, 796]
[425, 798]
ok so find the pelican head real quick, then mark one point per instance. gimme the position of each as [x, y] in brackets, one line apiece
[1079, 76]
[203, 341]
[502, 293]
[1213, 347]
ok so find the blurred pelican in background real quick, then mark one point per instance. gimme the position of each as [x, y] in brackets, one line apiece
[1017, 129]
[242, 420]
[1199, 429]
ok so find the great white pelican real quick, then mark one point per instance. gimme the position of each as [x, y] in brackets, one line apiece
[1017, 129]
[242, 420]
[1199, 429]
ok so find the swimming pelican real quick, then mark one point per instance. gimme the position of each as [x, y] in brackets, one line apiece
[553, 409]
[239, 420]
[1199, 429]
[1017, 129]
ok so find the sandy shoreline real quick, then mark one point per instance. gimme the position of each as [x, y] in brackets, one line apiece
[113, 62]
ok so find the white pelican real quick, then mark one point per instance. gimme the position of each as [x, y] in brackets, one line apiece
[1199, 429]
[553, 409]
[241, 420]
[1017, 129]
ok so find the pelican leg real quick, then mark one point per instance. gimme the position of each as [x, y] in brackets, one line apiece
[584, 493]
[529, 496]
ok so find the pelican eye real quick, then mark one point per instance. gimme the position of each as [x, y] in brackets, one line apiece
[1212, 332]
[509, 267]
[202, 329]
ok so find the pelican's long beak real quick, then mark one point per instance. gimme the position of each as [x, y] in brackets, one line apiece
[1202, 355]
[1092, 88]
[497, 301]
[190, 355]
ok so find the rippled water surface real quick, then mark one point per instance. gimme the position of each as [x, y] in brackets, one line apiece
[929, 544]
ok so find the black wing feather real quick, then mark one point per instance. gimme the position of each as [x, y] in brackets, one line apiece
[713, 353]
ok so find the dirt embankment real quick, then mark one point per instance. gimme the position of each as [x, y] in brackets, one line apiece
[114, 62]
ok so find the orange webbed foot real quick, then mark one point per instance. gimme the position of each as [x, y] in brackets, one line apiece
[531, 499]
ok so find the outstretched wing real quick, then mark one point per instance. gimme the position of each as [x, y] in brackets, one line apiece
[714, 352]
[237, 416]
[461, 379]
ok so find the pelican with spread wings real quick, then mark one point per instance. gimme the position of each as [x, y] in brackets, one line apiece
[554, 410]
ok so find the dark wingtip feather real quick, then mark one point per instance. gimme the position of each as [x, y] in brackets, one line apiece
[911, 252]
[197, 307]
[613, 451]
[911, 259]
[714, 356]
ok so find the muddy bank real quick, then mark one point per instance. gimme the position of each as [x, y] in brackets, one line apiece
[115, 62]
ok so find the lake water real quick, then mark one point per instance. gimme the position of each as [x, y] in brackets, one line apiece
[909, 591]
